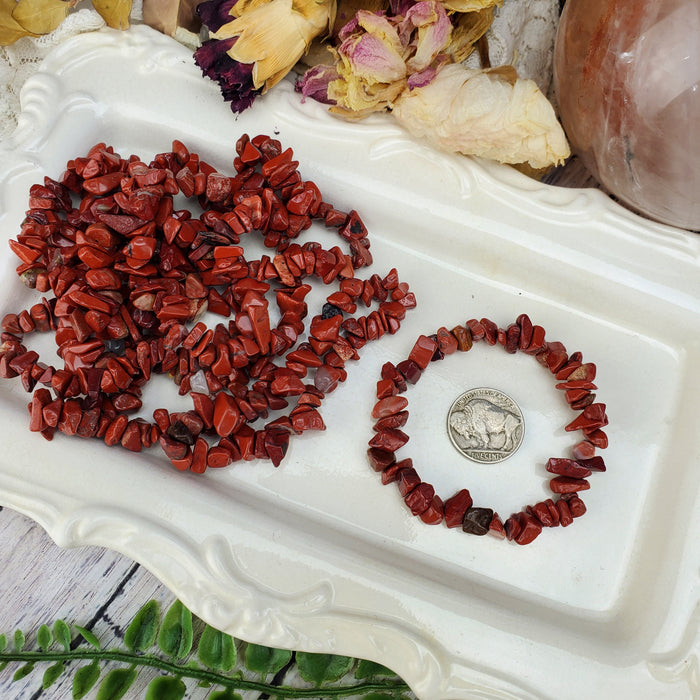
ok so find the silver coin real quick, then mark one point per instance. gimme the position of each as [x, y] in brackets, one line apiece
[485, 425]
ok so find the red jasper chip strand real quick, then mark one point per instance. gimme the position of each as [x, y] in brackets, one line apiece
[570, 475]
[131, 274]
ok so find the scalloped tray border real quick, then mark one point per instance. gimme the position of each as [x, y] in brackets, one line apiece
[216, 575]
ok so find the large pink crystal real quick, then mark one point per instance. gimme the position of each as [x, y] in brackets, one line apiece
[627, 80]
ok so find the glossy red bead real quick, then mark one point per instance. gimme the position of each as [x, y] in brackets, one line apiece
[530, 528]
[456, 507]
[567, 467]
[389, 406]
[420, 498]
[422, 352]
[227, 415]
[389, 439]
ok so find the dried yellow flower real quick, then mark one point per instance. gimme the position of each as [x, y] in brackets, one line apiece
[467, 29]
[470, 5]
[10, 29]
[115, 13]
[40, 16]
[273, 36]
[243, 6]
[378, 56]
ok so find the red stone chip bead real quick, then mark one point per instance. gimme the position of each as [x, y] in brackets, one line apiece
[126, 273]
[455, 508]
[569, 476]
[423, 351]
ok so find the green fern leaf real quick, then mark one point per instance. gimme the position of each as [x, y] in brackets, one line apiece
[322, 668]
[216, 650]
[23, 672]
[227, 694]
[84, 680]
[371, 669]
[44, 637]
[265, 660]
[141, 634]
[20, 640]
[61, 632]
[3, 665]
[165, 688]
[175, 636]
[3, 642]
[116, 683]
[52, 674]
[89, 637]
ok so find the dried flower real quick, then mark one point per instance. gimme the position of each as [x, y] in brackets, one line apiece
[467, 29]
[487, 113]
[215, 13]
[257, 42]
[315, 83]
[172, 16]
[378, 56]
[470, 5]
[235, 79]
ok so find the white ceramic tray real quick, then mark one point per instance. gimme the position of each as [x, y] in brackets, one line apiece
[317, 555]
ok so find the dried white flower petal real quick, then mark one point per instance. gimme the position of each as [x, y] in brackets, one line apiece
[485, 114]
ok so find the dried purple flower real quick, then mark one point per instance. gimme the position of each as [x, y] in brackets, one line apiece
[235, 79]
[255, 43]
[215, 13]
[314, 83]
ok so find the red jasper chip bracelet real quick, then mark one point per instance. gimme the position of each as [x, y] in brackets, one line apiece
[131, 275]
[575, 379]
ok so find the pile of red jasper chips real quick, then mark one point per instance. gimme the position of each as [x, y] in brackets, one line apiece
[570, 476]
[131, 275]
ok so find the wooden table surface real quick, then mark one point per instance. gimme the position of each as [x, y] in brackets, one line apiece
[93, 587]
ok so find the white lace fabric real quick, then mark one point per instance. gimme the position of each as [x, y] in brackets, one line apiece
[21, 60]
[522, 35]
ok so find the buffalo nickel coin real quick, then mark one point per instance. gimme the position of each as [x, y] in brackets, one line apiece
[485, 425]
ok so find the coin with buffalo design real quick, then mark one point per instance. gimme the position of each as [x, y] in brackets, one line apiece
[485, 425]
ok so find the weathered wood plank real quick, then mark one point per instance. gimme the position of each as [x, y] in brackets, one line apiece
[40, 582]
[92, 587]
[95, 588]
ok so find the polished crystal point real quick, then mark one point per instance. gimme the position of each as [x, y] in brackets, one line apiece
[627, 80]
